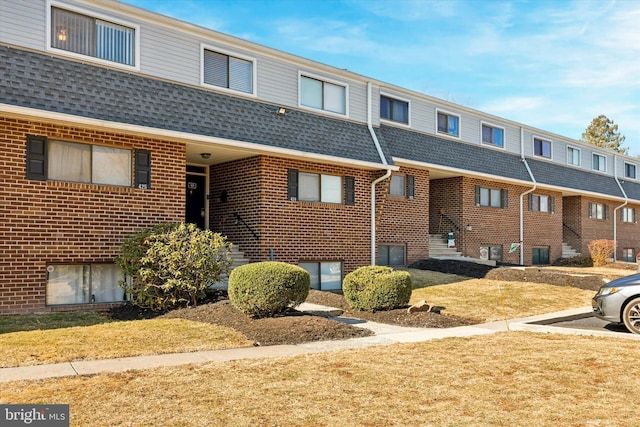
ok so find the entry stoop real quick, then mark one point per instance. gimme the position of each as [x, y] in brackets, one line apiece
[438, 247]
[238, 259]
[568, 251]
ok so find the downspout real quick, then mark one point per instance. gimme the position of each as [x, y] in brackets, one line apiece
[615, 216]
[535, 184]
[382, 178]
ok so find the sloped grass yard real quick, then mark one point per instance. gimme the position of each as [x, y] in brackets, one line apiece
[217, 325]
[506, 379]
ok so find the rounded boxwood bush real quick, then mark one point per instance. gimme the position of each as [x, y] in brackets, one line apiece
[264, 289]
[376, 288]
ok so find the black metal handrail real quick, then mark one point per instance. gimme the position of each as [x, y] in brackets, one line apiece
[571, 230]
[450, 221]
[239, 220]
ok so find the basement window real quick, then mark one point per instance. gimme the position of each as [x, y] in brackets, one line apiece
[83, 284]
[325, 276]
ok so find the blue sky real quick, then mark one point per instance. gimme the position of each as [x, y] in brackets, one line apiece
[551, 64]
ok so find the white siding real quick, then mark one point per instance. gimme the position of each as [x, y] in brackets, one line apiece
[23, 23]
[169, 54]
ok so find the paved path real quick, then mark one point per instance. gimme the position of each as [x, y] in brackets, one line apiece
[384, 335]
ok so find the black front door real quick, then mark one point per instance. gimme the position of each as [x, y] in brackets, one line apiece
[196, 197]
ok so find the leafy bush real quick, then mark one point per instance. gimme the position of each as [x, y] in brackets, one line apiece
[264, 289]
[172, 265]
[375, 288]
[601, 251]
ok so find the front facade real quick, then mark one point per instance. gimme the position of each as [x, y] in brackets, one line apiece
[113, 119]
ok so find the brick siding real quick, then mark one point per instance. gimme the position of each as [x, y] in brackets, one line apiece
[59, 222]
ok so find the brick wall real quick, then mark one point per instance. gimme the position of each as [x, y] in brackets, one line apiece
[628, 233]
[494, 226]
[405, 221]
[296, 231]
[58, 222]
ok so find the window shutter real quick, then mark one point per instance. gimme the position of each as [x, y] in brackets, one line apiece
[635, 215]
[349, 190]
[552, 204]
[477, 195]
[411, 187]
[606, 211]
[530, 201]
[505, 198]
[292, 183]
[590, 210]
[37, 157]
[142, 169]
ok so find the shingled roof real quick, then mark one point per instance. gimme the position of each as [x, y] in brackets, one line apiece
[39, 81]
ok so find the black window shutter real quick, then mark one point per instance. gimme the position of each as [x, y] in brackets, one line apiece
[37, 157]
[530, 201]
[292, 183]
[606, 211]
[411, 183]
[477, 195]
[552, 204]
[349, 190]
[635, 215]
[505, 198]
[142, 169]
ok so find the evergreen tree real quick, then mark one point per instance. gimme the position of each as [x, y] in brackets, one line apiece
[603, 132]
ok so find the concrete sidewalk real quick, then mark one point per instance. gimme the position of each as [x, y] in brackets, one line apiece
[384, 335]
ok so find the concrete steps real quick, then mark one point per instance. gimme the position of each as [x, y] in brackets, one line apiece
[568, 251]
[238, 259]
[438, 247]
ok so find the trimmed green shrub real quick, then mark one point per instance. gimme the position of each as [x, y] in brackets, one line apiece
[264, 289]
[377, 288]
[172, 265]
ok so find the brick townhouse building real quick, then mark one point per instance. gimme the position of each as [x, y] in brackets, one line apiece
[114, 118]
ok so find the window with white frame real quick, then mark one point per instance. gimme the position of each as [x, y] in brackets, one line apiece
[629, 215]
[627, 255]
[541, 203]
[629, 170]
[73, 162]
[599, 163]
[492, 135]
[325, 275]
[316, 187]
[323, 95]
[394, 109]
[491, 252]
[598, 210]
[83, 284]
[227, 71]
[573, 156]
[90, 36]
[542, 147]
[402, 186]
[491, 197]
[448, 124]
[392, 255]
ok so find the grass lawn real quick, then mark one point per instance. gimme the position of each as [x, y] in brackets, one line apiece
[489, 300]
[116, 339]
[56, 339]
[506, 379]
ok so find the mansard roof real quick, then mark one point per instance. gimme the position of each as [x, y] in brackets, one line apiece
[39, 81]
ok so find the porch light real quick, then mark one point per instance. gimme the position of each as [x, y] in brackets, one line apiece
[205, 155]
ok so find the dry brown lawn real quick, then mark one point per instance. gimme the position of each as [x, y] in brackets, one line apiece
[506, 379]
[117, 339]
[489, 300]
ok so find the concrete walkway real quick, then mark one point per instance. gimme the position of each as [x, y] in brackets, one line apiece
[384, 335]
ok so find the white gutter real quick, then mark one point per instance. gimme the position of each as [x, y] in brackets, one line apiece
[535, 185]
[615, 216]
[382, 178]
